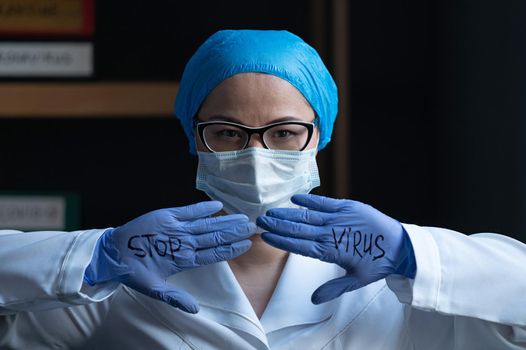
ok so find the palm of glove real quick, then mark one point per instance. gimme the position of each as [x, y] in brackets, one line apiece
[144, 252]
[366, 243]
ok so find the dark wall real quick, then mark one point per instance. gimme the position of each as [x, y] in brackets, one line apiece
[120, 168]
[140, 39]
[125, 167]
[438, 112]
[392, 123]
[481, 109]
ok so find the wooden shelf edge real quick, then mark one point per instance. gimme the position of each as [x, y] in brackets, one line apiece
[91, 99]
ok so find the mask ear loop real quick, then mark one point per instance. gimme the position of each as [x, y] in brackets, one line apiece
[317, 127]
[196, 134]
[195, 143]
[318, 139]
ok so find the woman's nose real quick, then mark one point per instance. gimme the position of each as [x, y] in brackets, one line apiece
[255, 141]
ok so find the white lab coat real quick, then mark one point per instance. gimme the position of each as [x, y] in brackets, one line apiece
[469, 293]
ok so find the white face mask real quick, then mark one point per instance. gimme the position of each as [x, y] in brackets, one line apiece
[253, 180]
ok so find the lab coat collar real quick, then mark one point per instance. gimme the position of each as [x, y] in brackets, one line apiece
[222, 299]
[290, 304]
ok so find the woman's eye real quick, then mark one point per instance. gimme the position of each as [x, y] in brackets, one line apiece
[228, 133]
[283, 133]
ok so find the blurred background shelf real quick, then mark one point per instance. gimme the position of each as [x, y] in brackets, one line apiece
[93, 100]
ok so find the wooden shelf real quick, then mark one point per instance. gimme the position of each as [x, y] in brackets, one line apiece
[92, 99]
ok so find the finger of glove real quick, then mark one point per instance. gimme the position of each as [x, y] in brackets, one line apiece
[233, 233]
[334, 288]
[198, 210]
[175, 297]
[294, 245]
[319, 203]
[221, 253]
[300, 215]
[216, 223]
[289, 228]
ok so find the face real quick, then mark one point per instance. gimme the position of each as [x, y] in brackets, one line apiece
[255, 100]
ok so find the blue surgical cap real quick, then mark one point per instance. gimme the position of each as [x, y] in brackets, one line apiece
[280, 53]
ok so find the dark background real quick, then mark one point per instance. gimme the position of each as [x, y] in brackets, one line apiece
[438, 106]
[438, 110]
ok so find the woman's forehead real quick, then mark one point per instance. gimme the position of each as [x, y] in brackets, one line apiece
[255, 99]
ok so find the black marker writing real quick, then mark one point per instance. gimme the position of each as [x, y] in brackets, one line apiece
[148, 237]
[356, 243]
[362, 243]
[339, 241]
[141, 253]
[378, 246]
[143, 245]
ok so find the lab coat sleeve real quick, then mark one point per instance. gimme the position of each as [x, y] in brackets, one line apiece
[478, 279]
[45, 270]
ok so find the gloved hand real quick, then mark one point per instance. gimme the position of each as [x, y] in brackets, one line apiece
[366, 243]
[144, 252]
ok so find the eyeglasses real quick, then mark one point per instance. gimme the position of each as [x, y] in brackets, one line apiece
[222, 136]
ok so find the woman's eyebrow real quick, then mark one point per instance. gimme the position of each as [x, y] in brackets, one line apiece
[286, 119]
[239, 121]
[225, 119]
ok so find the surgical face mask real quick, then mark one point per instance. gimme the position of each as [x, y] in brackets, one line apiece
[253, 180]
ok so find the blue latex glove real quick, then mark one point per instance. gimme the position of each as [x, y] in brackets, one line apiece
[366, 243]
[144, 252]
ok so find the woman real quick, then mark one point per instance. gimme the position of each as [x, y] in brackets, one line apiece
[316, 272]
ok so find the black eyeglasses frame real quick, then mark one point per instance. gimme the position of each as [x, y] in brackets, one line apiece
[254, 130]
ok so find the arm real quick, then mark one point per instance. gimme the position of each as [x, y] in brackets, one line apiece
[478, 280]
[47, 274]
[44, 270]
[481, 275]
[41, 276]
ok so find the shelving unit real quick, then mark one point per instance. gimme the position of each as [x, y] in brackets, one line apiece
[91, 99]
